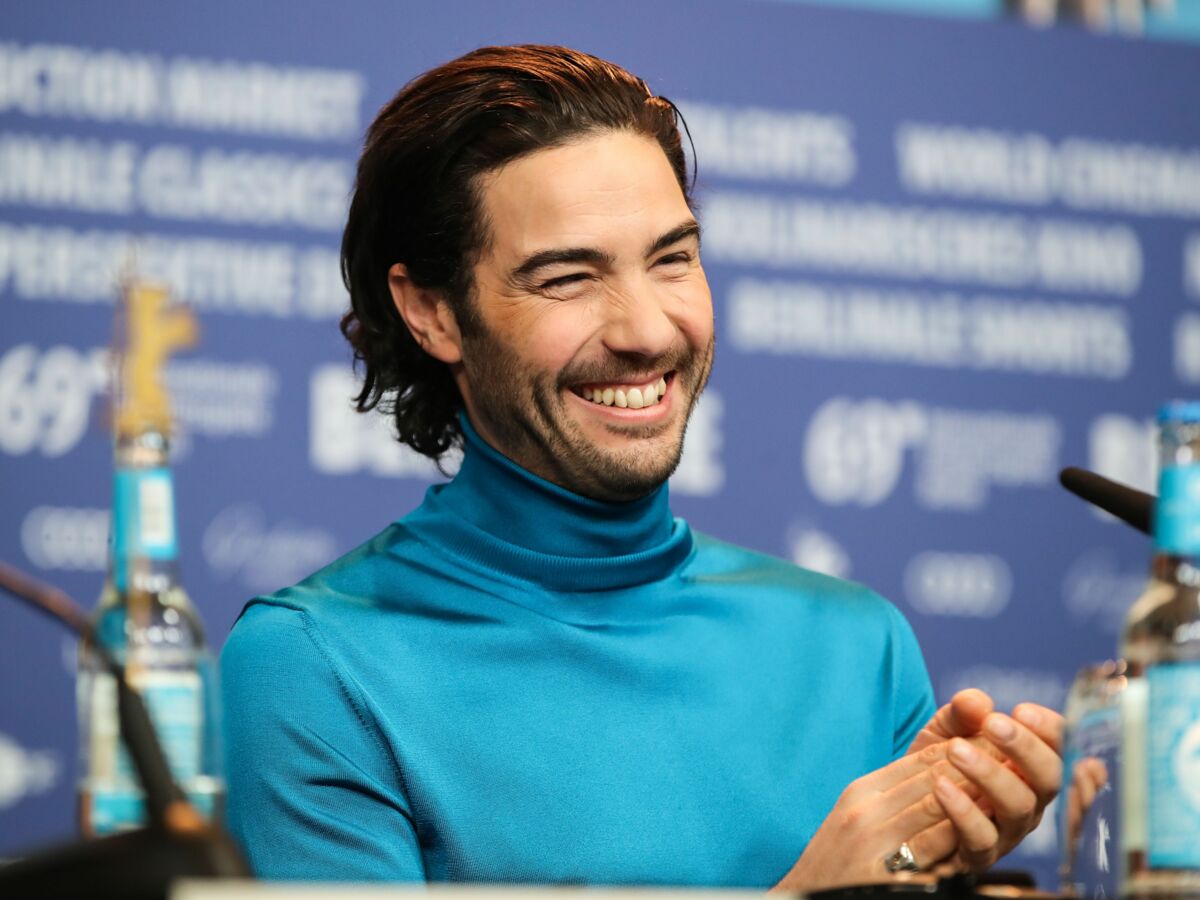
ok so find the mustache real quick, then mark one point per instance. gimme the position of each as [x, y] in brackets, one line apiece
[618, 368]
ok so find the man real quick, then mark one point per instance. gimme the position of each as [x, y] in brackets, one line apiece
[539, 675]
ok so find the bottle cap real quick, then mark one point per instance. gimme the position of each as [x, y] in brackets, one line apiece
[1179, 411]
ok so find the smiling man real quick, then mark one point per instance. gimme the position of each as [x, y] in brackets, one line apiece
[591, 328]
[540, 675]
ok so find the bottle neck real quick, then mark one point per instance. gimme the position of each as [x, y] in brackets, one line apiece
[1177, 511]
[143, 548]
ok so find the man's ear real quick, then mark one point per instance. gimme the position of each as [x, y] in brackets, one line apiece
[427, 316]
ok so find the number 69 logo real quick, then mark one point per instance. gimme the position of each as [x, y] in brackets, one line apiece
[854, 450]
[46, 397]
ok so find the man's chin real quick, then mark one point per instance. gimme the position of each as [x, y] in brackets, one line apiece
[648, 450]
[622, 487]
[628, 473]
[621, 460]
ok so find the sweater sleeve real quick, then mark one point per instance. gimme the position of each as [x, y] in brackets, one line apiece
[912, 695]
[313, 792]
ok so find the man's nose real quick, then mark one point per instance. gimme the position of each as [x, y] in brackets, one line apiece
[638, 324]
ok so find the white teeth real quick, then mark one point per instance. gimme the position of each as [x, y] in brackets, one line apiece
[627, 398]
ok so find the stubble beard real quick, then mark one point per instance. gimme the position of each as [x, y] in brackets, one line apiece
[526, 412]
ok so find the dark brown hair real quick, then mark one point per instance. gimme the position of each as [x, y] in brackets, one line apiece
[416, 201]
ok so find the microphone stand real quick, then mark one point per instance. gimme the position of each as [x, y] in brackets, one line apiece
[135, 865]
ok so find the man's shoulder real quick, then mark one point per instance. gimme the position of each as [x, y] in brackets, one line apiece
[719, 561]
[350, 582]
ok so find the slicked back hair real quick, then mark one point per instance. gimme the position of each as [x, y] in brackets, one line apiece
[417, 201]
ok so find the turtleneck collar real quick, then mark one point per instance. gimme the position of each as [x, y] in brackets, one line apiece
[519, 524]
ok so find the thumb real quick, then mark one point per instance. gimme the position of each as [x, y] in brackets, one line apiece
[962, 717]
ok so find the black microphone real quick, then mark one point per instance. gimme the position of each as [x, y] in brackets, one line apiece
[1133, 507]
[139, 864]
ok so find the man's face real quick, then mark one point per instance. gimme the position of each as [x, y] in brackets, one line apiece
[595, 320]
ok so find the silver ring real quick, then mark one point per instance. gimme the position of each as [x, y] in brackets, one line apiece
[902, 860]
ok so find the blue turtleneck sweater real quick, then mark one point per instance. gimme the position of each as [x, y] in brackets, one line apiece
[515, 683]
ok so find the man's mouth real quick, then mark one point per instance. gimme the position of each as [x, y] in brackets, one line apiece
[626, 395]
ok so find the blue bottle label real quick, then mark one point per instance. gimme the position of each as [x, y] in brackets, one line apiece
[114, 810]
[1173, 762]
[143, 523]
[175, 702]
[1177, 512]
[176, 708]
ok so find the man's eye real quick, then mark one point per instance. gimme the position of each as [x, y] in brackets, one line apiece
[564, 281]
[675, 258]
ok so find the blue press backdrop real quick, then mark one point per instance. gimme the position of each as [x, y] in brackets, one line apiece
[947, 258]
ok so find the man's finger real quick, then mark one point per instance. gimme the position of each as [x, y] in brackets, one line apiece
[904, 768]
[1045, 723]
[935, 845]
[1075, 811]
[1085, 787]
[912, 803]
[913, 819]
[1096, 769]
[915, 787]
[921, 811]
[1035, 760]
[918, 811]
[917, 762]
[977, 835]
[1089, 777]
[962, 717]
[1013, 801]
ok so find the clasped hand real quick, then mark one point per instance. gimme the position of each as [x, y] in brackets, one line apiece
[972, 785]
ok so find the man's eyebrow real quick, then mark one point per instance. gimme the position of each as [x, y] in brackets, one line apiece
[560, 255]
[690, 228]
[593, 256]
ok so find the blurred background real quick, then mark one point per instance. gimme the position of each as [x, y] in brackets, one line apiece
[954, 245]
